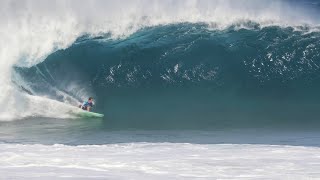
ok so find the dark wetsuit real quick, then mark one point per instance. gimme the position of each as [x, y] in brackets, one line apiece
[86, 104]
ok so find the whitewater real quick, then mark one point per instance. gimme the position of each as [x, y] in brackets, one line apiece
[159, 161]
[190, 89]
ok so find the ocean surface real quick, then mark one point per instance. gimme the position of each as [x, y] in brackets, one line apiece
[190, 89]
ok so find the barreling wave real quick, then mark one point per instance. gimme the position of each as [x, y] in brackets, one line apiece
[187, 73]
[182, 54]
[156, 62]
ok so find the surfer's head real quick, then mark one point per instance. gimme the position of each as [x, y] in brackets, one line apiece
[90, 99]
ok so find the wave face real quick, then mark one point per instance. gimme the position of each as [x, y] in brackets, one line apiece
[187, 74]
[152, 63]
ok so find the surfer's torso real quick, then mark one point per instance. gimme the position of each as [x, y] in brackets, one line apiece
[86, 104]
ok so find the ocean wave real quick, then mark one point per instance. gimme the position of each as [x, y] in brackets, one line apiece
[190, 74]
[46, 27]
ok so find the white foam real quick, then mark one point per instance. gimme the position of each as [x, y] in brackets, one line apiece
[159, 161]
[31, 30]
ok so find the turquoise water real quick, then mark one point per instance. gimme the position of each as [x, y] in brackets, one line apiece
[187, 76]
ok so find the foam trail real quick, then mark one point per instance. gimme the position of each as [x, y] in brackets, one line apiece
[31, 30]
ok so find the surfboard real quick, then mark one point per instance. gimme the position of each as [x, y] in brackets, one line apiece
[87, 114]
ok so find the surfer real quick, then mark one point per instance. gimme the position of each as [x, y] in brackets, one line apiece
[87, 105]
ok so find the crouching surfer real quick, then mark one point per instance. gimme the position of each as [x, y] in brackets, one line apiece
[87, 105]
